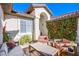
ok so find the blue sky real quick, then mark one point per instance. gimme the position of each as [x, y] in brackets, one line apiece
[56, 8]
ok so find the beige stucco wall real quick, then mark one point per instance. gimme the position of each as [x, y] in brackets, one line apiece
[1, 25]
[77, 39]
[19, 34]
[11, 23]
[77, 32]
[38, 11]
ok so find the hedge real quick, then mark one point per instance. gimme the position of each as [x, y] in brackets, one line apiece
[62, 28]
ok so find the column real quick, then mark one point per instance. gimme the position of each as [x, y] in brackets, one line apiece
[36, 28]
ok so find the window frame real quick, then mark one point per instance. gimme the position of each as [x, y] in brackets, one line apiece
[28, 23]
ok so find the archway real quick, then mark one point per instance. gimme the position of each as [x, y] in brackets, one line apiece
[42, 24]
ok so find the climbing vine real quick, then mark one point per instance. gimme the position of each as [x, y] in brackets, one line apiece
[63, 28]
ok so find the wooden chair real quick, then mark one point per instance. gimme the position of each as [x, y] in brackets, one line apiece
[63, 52]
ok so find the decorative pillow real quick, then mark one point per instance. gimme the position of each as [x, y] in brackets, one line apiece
[43, 39]
[65, 41]
[66, 44]
[56, 45]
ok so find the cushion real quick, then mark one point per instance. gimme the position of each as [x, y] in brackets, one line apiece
[43, 39]
[11, 44]
[65, 41]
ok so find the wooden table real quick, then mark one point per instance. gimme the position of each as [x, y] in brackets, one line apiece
[43, 49]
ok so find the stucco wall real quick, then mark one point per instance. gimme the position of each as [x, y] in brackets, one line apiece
[19, 34]
[77, 39]
[11, 23]
[1, 25]
[38, 11]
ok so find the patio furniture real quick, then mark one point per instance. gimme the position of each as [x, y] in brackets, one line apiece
[64, 45]
[11, 44]
[25, 48]
[3, 50]
[65, 40]
[16, 51]
[43, 39]
[57, 40]
[78, 49]
[63, 52]
[43, 49]
[10, 50]
[71, 51]
[68, 51]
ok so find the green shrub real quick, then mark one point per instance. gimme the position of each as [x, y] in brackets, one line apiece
[24, 39]
[63, 28]
[6, 38]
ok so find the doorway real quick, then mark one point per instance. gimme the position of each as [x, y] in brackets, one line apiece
[42, 24]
